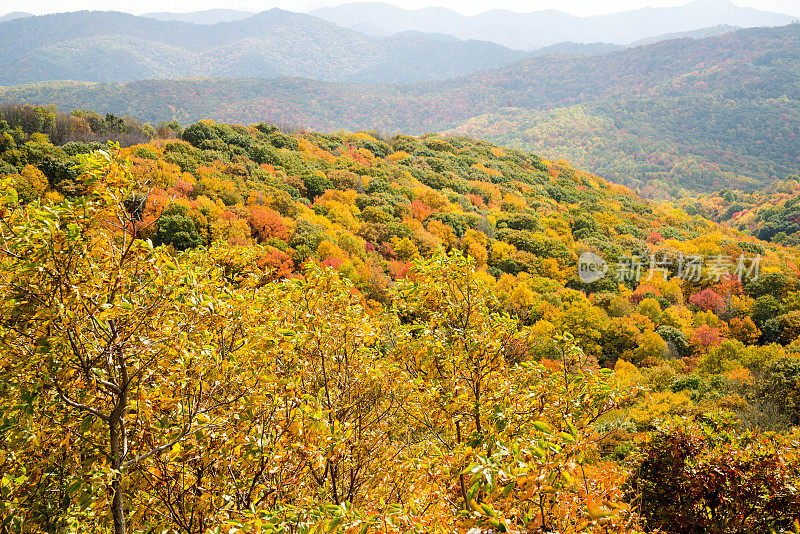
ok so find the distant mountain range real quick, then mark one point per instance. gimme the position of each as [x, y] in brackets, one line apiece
[208, 16]
[702, 33]
[682, 113]
[118, 47]
[529, 31]
[14, 15]
[526, 31]
[594, 49]
[539, 30]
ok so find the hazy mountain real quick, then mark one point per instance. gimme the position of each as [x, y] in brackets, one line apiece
[209, 16]
[116, 47]
[14, 15]
[689, 113]
[702, 33]
[529, 31]
[595, 49]
[578, 49]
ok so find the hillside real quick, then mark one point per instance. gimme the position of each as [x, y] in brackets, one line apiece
[116, 47]
[701, 33]
[529, 31]
[679, 114]
[771, 213]
[579, 49]
[594, 49]
[408, 315]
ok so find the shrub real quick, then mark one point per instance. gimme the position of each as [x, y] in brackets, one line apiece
[701, 478]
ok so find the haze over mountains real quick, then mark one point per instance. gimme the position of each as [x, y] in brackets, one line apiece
[423, 45]
[208, 16]
[525, 31]
[521, 31]
[683, 113]
[704, 107]
[528, 31]
[110, 46]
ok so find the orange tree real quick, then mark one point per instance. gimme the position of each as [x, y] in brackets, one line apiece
[106, 345]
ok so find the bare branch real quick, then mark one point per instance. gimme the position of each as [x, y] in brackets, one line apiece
[79, 406]
[166, 446]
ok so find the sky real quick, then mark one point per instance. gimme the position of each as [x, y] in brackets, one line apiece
[468, 7]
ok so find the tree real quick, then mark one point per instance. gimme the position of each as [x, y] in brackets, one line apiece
[744, 330]
[697, 477]
[30, 184]
[177, 229]
[766, 307]
[722, 358]
[676, 341]
[586, 323]
[96, 325]
[708, 300]
[790, 326]
[315, 185]
[651, 348]
[650, 308]
[619, 341]
[777, 285]
[512, 467]
[278, 263]
[350, 396]
[305, 239]
[266, 224]
[704, 338]
[779, 384]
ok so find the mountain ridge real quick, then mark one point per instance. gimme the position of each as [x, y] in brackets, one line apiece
[207, 16]
[532, 30]
[629, 105]
[14, 15]
[119, 47]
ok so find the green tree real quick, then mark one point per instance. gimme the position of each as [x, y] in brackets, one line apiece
[177, 229]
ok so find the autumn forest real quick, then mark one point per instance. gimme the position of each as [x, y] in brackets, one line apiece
[240, 329]
[275, 306]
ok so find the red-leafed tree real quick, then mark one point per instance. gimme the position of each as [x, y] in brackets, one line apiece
[708, 300]
[266, 224]
[278, 263]
[704, 338]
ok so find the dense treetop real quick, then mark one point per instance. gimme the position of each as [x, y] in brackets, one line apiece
[264, 330]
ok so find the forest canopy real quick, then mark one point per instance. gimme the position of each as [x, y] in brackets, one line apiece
[248, 329]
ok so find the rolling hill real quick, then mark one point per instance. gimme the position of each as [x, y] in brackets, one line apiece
[595, 49]
[117, 47]
[701, 33]
[528, 31]
[679, 114]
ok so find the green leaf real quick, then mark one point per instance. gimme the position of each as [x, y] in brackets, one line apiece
[542, 427]
[334, 524]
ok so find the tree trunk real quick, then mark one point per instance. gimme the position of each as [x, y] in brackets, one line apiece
[118, 447]
[117, 510]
